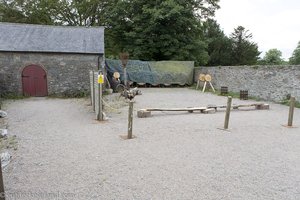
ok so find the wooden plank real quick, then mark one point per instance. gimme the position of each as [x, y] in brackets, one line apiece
[176, 109]
[209, 110]
[143, 113]
[262, 107]
[258, 106]
[191, 109]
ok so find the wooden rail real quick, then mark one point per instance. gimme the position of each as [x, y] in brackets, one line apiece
[146, 112]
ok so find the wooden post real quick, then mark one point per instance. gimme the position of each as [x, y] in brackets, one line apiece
[228, 108]
[212, 87]
[291, 111]
[93, 91]
[125, 77]
[100, 115]
[130, 120]
[2, 193]
[204, 87]
[124, 59]
[91, 81]
[198, 83]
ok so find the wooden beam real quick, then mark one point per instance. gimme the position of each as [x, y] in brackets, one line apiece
[176, 109]
[143, 113]
[258, 106]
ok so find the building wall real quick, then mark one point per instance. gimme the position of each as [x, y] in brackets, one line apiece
[267, 82]
[67, 74]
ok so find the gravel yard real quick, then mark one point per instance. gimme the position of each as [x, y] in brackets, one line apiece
[64, 153]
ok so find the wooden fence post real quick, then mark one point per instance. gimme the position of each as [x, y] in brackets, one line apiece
[291, 111]
[125, 77]
[93, 90]
[130, 120]
[100, 114]
[2, 193]
[228, 108]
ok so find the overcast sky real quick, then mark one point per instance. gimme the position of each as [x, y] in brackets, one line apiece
[273, 23]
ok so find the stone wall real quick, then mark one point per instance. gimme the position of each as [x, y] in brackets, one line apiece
[272, 83]
[67, 74]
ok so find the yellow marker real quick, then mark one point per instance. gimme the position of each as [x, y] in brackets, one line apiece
[100, 78]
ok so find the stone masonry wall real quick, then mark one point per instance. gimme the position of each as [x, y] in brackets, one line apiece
[272, 83]
[67, 74]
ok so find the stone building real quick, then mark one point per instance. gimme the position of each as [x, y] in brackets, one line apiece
[39, 60]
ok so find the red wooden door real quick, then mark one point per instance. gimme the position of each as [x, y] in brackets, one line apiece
[34, 80]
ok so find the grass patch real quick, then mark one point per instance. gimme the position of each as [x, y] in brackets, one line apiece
[287, 103]
[66, 95]
[10, 96]
[113, 103]
[13, 96]
[9, 142]
[235, 95]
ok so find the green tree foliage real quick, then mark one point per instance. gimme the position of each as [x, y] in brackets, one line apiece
[272, 57]
[295, 59]
[28, 11]
[148, 30]
[219, 45]
[160, 30]
[82, 13]
[244, 52]
[66, 12]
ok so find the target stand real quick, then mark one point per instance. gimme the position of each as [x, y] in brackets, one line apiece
[206, 78]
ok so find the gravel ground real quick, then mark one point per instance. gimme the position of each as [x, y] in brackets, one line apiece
[64, 153]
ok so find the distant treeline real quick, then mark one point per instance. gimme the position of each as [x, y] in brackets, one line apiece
[150, 30]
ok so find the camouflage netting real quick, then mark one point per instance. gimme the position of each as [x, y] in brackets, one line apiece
[154, 73]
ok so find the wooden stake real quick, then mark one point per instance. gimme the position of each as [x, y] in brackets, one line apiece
[212, 86]
[198, 83]
[125, 77]
[204, 87]
[93, 91]
[228, 108]
[100, 113]
[130, 120]
[2, 193]
[291, 111]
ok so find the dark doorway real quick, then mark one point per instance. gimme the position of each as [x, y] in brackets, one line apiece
[34, 80]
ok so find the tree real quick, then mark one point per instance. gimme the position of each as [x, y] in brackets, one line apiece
[295, 59]
[30, 11]
[82, 13]
[244, 52]
[66, 12]
[148, 30]
[160, 30]
[219, 45]
[272, 57]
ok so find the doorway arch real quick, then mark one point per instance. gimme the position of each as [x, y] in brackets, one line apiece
[34, 81]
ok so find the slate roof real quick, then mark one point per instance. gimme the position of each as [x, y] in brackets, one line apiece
[55, 39]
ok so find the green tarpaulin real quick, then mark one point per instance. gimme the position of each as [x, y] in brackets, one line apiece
[154, 72]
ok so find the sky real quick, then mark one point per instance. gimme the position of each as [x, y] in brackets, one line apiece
[273, 23]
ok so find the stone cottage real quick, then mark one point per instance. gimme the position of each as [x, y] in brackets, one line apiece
[40, 60]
